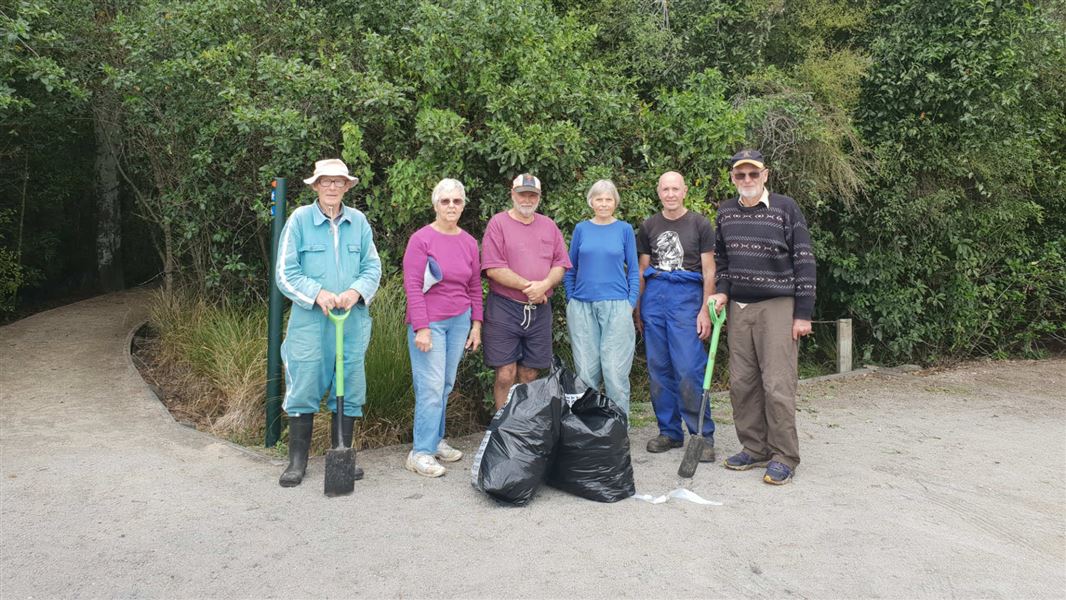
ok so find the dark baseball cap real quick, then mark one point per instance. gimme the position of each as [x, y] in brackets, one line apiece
[751, 157]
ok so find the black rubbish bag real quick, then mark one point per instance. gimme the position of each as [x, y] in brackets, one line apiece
[516, 451]
[592, 457]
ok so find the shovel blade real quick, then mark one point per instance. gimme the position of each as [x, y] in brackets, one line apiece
[340, 471]
[692, 457]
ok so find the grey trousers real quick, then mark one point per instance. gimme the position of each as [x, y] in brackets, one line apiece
[763, 377]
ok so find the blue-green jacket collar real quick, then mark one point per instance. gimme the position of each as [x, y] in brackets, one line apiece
[321, 218]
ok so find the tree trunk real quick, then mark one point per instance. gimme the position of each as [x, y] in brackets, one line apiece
[108, 205]
[168, 258]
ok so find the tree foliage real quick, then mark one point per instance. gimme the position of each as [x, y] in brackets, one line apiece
[961, 108]
[924, 140]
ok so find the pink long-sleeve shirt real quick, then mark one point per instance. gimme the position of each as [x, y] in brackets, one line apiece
[460, 287]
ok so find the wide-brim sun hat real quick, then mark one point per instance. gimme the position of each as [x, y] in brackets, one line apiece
[330, 167]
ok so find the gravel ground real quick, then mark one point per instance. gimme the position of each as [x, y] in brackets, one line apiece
[923, 484]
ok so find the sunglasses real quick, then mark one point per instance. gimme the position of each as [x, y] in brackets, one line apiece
[742, 175]
[451, 202]
[332, 182]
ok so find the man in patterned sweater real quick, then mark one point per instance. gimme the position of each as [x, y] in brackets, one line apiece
[766, 273]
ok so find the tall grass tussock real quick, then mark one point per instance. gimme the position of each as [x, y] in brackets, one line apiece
[217, 356]
[215, 370]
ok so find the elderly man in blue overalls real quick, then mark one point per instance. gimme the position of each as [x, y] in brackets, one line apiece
[326, 260]
[675, 249]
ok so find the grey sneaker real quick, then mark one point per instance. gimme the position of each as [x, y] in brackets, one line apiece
[662, 443]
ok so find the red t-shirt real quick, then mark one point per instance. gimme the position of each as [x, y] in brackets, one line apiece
[528, 250]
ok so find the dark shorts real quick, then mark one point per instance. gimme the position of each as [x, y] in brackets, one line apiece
[513, 334]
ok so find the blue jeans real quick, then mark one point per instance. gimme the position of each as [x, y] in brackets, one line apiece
[433, 375]
[602, 338]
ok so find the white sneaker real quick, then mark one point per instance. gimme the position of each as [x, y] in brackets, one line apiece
[447, 453]
[423, 464]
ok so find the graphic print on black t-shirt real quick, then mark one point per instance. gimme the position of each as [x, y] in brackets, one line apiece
[669, 251]
[676, 244]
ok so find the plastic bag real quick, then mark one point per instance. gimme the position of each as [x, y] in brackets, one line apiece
[680, 494]
[516, 451]
[592, 457]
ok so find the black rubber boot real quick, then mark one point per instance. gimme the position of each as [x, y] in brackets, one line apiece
[347, 425]
[299, 446]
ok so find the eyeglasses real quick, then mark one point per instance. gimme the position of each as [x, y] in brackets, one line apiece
[332, 182]
[742, 175]
[451, 201]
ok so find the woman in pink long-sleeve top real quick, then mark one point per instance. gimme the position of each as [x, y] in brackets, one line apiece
[442, 278]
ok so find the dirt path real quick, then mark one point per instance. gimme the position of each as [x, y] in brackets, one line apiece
[939, 485]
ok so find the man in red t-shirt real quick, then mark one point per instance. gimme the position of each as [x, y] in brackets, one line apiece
[524, 257]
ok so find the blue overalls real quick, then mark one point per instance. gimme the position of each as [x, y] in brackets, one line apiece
[315, 253]
[677, 357]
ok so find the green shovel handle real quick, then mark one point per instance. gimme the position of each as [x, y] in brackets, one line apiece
[338, 321]
[339, 317]
[718, 319]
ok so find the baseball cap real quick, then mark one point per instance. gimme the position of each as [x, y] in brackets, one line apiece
[526, 183]
[751, 157]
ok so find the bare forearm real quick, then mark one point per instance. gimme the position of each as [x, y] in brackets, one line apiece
[507, 278]
[708, 288]
[555, 275]
[707, 262]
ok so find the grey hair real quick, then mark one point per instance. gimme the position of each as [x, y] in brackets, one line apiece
[448, 185]
[603, 186]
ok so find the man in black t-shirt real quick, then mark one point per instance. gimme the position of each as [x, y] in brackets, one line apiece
[676, 252]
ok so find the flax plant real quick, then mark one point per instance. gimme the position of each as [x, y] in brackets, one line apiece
[219, 352]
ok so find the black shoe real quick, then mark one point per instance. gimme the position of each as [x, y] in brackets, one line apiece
[299, 446]
[347, 426]
[662, 443]
[707, 453]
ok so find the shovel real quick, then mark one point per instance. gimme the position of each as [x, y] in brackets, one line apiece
[696, 441]
[340, 461]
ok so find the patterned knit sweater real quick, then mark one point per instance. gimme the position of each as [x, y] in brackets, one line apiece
[765, 252]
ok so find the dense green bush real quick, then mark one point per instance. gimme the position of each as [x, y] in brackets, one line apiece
[924, 140]
[955, 248]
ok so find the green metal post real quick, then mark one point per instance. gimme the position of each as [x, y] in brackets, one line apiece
[273, 387]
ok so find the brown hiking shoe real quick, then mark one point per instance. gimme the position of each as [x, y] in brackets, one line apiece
[707, 453]
[662, 443]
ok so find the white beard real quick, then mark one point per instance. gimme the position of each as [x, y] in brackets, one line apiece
[750, 194]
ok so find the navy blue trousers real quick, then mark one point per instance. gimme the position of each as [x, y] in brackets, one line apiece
[677, 357]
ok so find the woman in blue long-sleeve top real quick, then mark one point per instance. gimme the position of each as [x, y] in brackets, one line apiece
[601, 291]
